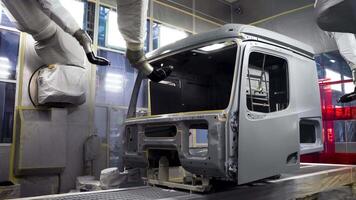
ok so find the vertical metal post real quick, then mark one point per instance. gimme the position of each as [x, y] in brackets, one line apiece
[249, 85]
[264, 76]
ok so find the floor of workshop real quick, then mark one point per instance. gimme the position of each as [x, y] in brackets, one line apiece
[342, 193]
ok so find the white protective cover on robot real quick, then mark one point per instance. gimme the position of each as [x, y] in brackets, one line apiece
[131, 18]
[61, 83]
[51, 26]
[55, 11]
[346, 43]
[337, 17]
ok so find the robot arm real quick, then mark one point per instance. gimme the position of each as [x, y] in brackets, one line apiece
[346, 43]
[132, 25]
[55, 11]
[338, 16]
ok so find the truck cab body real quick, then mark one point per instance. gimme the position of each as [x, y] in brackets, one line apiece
[242, 104]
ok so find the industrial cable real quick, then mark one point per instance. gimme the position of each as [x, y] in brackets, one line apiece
[29, 84]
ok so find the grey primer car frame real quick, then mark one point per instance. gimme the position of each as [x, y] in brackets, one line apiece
[270, 116]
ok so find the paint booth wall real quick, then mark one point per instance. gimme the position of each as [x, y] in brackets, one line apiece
[295, 19]
[5, 161]
[49, 142]
[190, 15]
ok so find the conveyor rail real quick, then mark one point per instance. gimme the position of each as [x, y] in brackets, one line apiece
[309, 180]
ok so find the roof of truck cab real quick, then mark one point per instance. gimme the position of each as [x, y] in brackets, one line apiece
[233, 31]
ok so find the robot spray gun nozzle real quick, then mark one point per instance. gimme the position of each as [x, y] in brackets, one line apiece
[97, 60]
[161, 73]
[85, 41]
[348, 97]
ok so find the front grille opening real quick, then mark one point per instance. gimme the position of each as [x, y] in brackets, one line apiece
[198, 140]
[154, 155]
[160, 131]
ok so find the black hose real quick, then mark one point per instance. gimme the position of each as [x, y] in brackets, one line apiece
[97, 60]
[29, 84]
[348, 97]
[160, 74]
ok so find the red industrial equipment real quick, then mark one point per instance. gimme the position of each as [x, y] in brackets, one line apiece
[330, 114]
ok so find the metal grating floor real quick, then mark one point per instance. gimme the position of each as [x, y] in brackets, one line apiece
[145, 193]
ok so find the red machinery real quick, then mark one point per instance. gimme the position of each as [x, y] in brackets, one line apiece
[330, 114]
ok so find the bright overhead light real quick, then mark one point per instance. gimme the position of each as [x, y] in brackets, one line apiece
[2, 66]
[213, 47]
[169, 35]
[114, 37]
[332, 61]
[114, 75]
[114, 82]
[4, 74]
[334, 76]
[4, 59]
[349, 87]
[113, 87]
[4, 63]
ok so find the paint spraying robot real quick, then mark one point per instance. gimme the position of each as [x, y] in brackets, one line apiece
[43, 18]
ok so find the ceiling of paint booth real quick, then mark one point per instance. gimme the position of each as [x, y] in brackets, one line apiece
[251, 11]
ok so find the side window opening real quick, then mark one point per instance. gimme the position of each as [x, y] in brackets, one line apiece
[267, 83]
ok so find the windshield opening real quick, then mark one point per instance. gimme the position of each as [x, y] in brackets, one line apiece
[201, 80]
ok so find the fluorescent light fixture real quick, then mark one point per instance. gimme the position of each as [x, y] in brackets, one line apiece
[4, 74]
[76, 9]
[114, 37]
[4, 63]
[2, 66]
[113, 88]
[213, 47]
[332, 61]
[114, 76]
[334, 76]
[114, 82]
[4, 59]
[349, 87]
[168, 35]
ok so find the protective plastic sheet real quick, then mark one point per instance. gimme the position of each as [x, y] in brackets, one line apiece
[346, 43]
[61, 84]
[113, 178]
[132, 20]
[336, 15]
